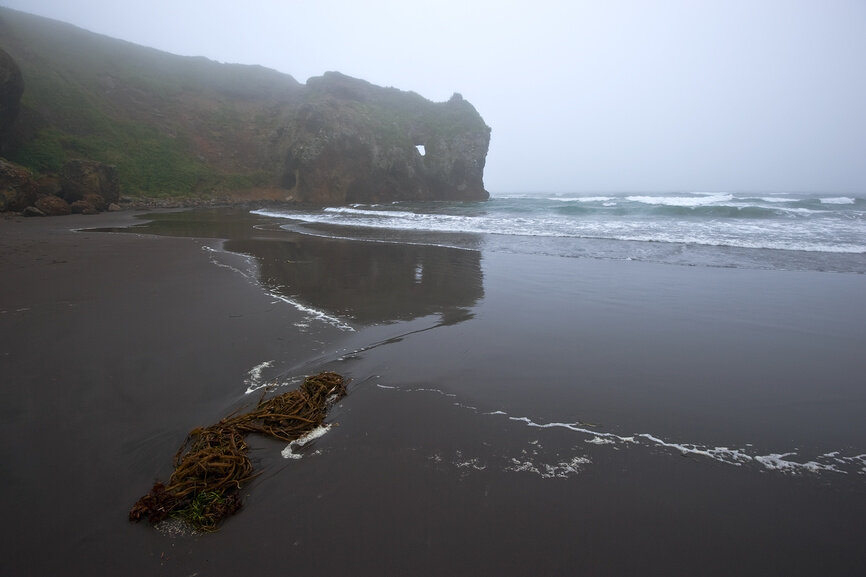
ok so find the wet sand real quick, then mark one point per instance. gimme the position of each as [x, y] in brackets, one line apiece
[113, 346]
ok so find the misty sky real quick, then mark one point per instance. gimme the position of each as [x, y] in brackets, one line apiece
[603, 96]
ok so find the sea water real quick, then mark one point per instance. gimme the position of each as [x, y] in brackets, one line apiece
[824, 232]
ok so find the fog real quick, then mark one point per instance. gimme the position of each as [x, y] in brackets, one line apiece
[627, 95]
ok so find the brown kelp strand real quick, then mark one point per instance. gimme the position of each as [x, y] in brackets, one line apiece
[212, 464]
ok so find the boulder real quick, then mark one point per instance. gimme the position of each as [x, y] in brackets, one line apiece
[80, 178]
[53, 206]
[97, 201]
[18, 190]
[83, 207]
[48, 184]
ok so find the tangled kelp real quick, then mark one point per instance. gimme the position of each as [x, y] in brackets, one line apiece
[212, 464]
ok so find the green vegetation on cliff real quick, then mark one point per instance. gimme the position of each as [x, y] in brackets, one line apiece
[167, 123]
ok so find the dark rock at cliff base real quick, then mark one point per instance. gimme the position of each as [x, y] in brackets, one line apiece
[351, 141]
[97, 201]
[18, 190]
[83, 207]
[11, 89]
[48, 184]
[53, 206]
[80, 178]
[32, 211]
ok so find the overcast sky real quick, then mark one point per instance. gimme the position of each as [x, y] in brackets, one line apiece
[601, 96]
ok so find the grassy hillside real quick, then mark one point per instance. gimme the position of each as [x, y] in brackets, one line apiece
[170, 124]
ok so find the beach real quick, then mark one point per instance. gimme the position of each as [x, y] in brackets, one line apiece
[508, 414]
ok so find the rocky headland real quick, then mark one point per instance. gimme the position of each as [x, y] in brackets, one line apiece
[88, 122]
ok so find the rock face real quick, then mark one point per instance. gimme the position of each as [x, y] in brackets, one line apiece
[351, 141]
[53, 206]
[11, 88]
[83, 178]
[18, 190]
[87, 188]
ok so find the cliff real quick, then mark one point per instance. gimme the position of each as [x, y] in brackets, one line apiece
[172, 125]
[350, 141]
[11, 88]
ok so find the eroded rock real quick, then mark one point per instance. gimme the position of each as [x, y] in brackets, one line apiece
[18, 190]
[351, 141]
[11, 89]
[80, 178]
[53, 206]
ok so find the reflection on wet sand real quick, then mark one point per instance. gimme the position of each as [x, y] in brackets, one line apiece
[368, 282]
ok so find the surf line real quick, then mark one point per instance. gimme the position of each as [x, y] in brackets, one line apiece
[833, 461]
[830, 462]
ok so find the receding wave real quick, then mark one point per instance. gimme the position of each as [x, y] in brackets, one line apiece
[737, 225]
[792, 462]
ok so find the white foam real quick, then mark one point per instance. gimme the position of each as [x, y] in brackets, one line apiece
[576, 427]
[461, 463]
[581, 198]
[723, 454]
[437, 391]
[213, 259]
[777, 462]
[561, 470]
[600, 441]
[784, 234]
[254, 379]
[830, 462]
[366, 212]
[838, 200]
[289, 451]
[686, 201]
[314, 314]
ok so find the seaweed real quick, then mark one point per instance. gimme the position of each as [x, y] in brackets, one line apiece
[212, 464]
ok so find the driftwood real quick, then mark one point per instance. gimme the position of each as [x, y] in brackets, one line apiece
[212, 464]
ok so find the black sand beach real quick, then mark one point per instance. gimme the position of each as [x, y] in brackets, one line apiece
[509, 414]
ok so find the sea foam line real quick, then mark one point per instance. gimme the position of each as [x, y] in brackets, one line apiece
[314, 313]
[310, 312]
[833, 462]
[829, 462]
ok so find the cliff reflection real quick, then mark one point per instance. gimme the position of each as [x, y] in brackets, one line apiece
[368, 282]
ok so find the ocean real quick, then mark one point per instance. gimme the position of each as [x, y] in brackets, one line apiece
[777, 231]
